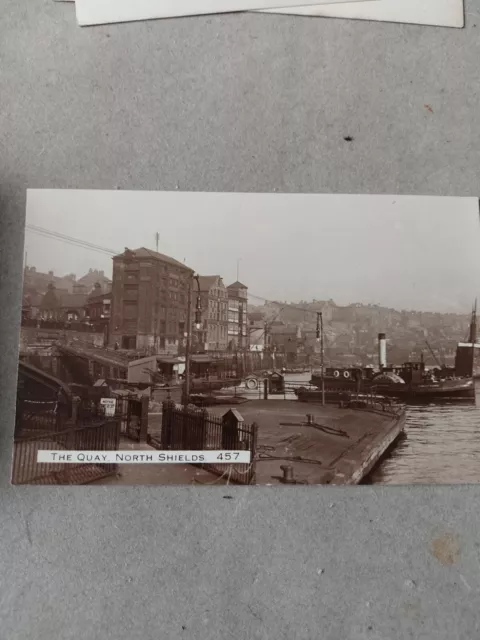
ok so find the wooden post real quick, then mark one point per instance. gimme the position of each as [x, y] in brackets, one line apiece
[75, 409]
[143, 434]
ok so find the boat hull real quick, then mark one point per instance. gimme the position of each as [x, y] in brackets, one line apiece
[443, 391]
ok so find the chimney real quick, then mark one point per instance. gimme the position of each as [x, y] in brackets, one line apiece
[382, 351]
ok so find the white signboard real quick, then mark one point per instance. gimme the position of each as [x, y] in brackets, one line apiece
[144, 457]
[110, 405]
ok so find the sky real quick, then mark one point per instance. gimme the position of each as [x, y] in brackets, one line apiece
[404, 252]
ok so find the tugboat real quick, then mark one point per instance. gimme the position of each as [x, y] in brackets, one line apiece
[411, 382]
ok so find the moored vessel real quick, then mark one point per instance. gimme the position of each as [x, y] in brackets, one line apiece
[410, 382]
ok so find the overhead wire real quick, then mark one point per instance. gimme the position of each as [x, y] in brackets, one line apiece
[69, 239]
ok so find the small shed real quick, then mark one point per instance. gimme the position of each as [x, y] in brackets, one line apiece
[202, 365]
[170, 367]
[276, 383]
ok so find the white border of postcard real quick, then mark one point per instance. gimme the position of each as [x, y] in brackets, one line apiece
[440, 13]
[92, 12]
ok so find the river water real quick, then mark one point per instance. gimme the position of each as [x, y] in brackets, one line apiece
[441, 445]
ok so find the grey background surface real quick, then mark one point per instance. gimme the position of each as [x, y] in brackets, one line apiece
[231, 103]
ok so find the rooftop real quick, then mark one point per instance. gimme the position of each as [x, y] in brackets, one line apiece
[142, 252]
[206, 282]
[237, 285]
[73, 299]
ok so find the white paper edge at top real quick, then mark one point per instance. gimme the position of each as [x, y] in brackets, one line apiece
[439, 13]
[91, 12]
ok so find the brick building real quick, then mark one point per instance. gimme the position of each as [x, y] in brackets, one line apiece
[213, 336]
[149, 301]
[97, 310]
[237, 315]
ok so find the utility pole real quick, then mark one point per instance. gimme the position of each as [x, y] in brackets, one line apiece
[157, 238]
[156, 284]
[198, 324]
[322, 351]
[186, 388]
[265, 338]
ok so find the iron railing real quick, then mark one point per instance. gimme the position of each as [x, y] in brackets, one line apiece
[36, 416]
[191, 429]
[132, 412]
[103, 436]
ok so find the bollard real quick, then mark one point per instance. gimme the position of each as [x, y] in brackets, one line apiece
[310, 418]
[287, 474]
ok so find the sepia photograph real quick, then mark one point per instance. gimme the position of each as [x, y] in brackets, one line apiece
[180, 338]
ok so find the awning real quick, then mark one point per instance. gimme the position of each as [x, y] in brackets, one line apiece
[202, 358]
[170, 360]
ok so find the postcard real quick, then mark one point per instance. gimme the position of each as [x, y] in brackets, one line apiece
[92, 12]
[440, 13]
[174, 338]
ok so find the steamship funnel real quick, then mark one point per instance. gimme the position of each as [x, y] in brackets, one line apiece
[382, 351]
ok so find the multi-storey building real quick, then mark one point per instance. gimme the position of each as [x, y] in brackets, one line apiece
[149, 301]
[237, 316]
[213, 335]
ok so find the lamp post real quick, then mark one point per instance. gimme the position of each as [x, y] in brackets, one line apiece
[322, 351]
[198, 324]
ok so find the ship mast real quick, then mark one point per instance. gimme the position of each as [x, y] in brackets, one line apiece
[473, 325]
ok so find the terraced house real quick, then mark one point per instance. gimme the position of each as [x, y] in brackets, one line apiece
[213, 335]
[237, 315]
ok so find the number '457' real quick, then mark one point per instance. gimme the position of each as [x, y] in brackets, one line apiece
[228, 456]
